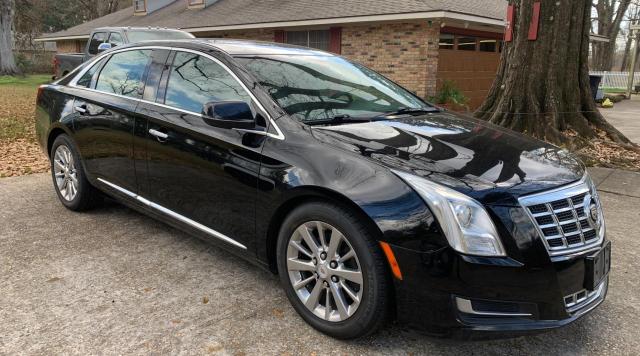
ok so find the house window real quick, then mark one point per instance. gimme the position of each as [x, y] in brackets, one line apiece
[319, 39]
[139, 5]
[469, 43]
[447, 41]
[488, 45]
[466, 43]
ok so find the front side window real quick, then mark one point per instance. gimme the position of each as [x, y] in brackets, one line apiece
[115, 39]
[96, 40]
[123, 74]
[314, 39]
[196, 80]
[322, 87]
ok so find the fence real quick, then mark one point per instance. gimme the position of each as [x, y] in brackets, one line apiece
[616, 80]
[35, 61]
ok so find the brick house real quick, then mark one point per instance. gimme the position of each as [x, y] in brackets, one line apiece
[418, 43]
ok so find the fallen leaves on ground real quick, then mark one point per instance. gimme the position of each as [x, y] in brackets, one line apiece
[602, 152]
[21, 157]
[612, 155]
[19, 152]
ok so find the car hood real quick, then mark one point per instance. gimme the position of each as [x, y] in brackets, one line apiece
[485, 161]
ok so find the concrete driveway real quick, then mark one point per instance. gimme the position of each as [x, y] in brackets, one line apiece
[114, 281]
[625, 116]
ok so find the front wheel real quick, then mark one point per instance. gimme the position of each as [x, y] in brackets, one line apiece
[333, 271]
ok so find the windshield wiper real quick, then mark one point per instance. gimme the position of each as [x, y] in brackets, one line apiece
[409, 111]
[335, 120]
[344, 118]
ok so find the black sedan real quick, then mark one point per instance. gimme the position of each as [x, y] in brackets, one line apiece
[367, 201]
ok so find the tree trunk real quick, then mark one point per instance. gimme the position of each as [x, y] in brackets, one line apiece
[7, 61]
[542, 86]
[626, 53]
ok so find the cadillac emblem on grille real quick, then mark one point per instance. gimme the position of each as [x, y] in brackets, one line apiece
[591, 208]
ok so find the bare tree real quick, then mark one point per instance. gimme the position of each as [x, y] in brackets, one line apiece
[632, 17]
[94, 9]
[7, 61]
[542, 86]
[610, 14]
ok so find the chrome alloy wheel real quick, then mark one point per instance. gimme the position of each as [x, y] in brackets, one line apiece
[64, 170]
[324, 271]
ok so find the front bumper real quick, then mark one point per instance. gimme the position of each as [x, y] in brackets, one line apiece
[446, 294]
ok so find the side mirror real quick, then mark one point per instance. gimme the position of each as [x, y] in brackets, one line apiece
[104, 47]
[229, 115]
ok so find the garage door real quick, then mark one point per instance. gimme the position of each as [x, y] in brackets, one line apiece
[470, 62]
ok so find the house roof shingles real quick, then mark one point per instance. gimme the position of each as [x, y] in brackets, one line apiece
[242, 12]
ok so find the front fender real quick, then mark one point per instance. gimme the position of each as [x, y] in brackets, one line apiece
[287, 176]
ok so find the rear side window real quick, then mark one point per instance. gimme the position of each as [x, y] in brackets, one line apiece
[123, 74]
[115, 39]
[86, 79]
[196, 80]
[96, 40]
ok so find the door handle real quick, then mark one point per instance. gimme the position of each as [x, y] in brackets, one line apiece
[161, 136]
[81, 109]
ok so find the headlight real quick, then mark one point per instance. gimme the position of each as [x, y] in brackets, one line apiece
[464, 221]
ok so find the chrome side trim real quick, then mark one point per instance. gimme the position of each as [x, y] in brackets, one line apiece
[174, 215]
[464, 306]
[73, 83]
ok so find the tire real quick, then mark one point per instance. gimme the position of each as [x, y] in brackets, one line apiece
[374, 291]
[78, 194]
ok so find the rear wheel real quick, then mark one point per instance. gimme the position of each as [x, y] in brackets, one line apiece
[69, 180]
[333, 271]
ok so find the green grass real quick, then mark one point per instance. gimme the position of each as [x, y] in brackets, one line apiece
[27, 80]
[614, 90]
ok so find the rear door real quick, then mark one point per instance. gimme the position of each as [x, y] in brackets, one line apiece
[106, 97]
[205, 176]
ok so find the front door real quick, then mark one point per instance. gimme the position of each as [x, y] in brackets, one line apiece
[204, 176]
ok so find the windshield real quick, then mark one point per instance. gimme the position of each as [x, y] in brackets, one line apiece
[323, 87]
[151, 35]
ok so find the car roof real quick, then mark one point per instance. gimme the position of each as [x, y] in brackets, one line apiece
[246, 47]
[238, 47]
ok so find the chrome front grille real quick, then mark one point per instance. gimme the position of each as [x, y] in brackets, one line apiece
[562, 219]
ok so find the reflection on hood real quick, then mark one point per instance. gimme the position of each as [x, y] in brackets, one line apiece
[456, 151]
